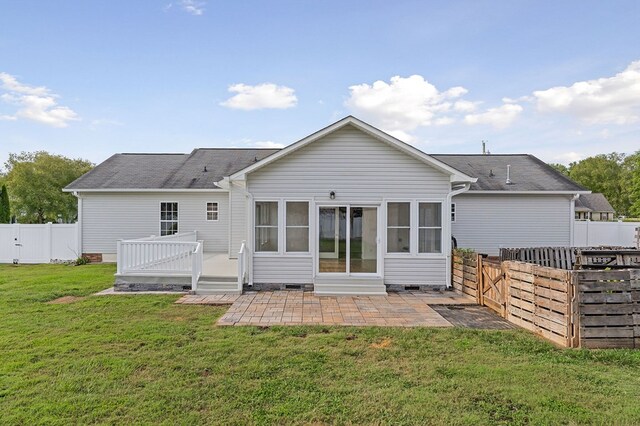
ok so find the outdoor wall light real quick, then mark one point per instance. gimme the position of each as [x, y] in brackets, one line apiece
[332, 195]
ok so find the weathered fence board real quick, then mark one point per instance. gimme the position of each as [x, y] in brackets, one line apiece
[609, 307]
[464, 271]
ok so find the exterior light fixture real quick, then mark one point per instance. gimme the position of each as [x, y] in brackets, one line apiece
[332, 195]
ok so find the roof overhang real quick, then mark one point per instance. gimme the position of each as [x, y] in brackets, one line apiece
[74, 190]
[480, 192]
[456, 176]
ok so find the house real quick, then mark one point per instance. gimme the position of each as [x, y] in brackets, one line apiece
[594, 207]
[347, 210]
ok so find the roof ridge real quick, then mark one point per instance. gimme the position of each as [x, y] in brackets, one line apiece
[151, 153]
[556, 172]
[236, 149]
[481, 155]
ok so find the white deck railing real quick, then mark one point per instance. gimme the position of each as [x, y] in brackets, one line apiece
[243, 260]
[196, 265]
[176, 254]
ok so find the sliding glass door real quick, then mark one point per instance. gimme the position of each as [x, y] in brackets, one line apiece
[348, 239]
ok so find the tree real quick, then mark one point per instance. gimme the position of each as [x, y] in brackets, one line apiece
[5, 211]
[607, 174]
[632, 170]
[561, 168]
[36, 180]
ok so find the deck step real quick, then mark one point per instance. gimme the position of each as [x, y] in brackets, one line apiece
[219, 278]
[214, 285]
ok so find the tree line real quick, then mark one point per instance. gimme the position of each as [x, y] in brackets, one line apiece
[32, 185]
[616, 175]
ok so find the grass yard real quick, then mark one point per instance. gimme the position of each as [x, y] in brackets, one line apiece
[143, 359]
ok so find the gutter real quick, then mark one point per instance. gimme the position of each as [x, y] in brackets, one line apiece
[465, 187]
[210, 190]
[530, 192]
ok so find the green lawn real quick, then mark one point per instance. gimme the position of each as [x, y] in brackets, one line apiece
[143, 359]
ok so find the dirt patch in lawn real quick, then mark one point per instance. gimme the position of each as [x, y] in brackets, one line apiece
[383, 344]
[65, 299]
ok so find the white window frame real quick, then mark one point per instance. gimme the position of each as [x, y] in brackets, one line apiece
[454, 210]
[441, 227]
[286, 227]
[278, 227]
[386, 227]
[216, 211]
[161, 221]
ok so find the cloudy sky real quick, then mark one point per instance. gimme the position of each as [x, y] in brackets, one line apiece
[560, 80]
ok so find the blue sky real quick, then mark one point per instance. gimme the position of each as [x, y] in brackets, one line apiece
[560, 80]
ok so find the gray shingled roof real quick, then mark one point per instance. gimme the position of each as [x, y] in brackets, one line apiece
[593, 203]
[528, 173]
[168, 171]
[187, 171]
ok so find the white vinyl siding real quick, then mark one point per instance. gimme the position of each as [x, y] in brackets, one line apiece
[487, 222]
[282, 270]
[238, 221]
[360, 169]
[415, 271]
[107, 217]
[354, 165]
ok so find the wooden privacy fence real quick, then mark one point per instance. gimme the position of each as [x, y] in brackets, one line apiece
[581, 308]
[465, 273]
[574, 257]
[609, 307]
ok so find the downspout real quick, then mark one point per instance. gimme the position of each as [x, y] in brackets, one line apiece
[447, 241]
[573, 220]
[79, 223]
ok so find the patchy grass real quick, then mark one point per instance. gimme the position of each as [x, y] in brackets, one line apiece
[144, 359]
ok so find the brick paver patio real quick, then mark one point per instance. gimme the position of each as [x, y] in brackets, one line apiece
[297, 307]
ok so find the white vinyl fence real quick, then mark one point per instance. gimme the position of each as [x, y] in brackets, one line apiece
[26, 243]
[588, 234]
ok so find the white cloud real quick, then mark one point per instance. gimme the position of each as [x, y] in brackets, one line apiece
[268, 144]
[403, 104]
[261, 96]
[568, 157]
[193, 7]
[444, 121]
[609, 100]
[465, 106]
[34, 103]
[499, 117]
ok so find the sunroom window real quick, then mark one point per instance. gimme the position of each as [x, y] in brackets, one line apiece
[399, 227]
[266, 228]
[429, 228]
[168, 218]
[297, 226]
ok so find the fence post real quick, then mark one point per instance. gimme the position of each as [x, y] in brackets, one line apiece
[49, 240]
[506, 290]
[479, 280]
